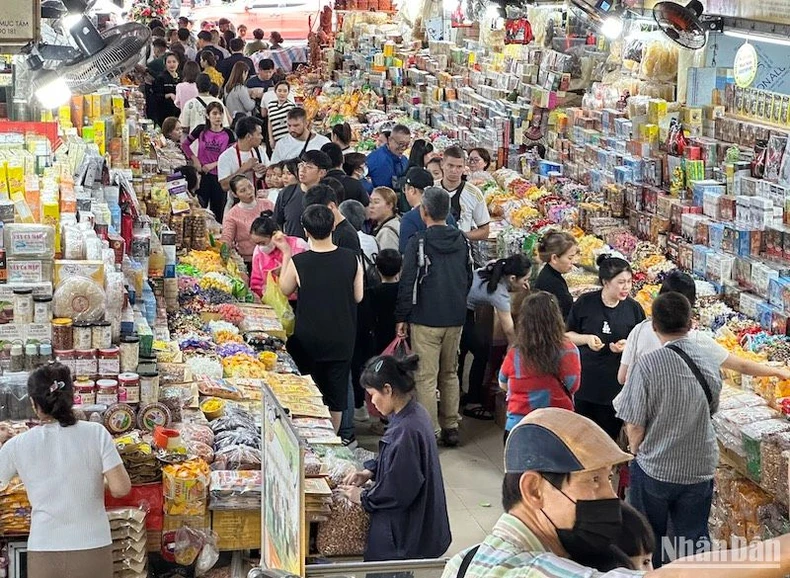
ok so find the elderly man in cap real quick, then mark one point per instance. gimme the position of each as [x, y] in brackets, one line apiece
[560, 506]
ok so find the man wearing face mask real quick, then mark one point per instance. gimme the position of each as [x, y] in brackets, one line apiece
[560, 507]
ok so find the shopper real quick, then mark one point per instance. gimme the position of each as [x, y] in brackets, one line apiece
[434, 166]
[194, 112]
[237, 221]
[329, 279]
[355, 165]
[382, 213]
[65, 465]
[355, 213]
[172, 130]
[277, 110]
[165, 91]
[384, 297]
[187, 89]
[352, 188]
[387, 165]
[208, 62]
[344, 234]
[205, 43]
[432, 308]
[341, 136]
[491, 289]
[599, 323]
[257, 44]
[419, 151]
[290, 201]
[156, 65]
[263, 79]
[236, 47]
[468, 205]
[212, 141]
[185, 38]
[407, 502]
[275, 41]
[267, 257]
[299, 139]
[237, 96]
[643, 339]
[246, 157]
[667, 404]
[417, 180]
[559, 251]
[479, 160]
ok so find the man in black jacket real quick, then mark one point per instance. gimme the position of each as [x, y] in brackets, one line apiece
[353, 187]
[236, 55]
[436, 277]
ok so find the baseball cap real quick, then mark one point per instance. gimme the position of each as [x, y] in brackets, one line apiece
[419, 178]
[559, 441]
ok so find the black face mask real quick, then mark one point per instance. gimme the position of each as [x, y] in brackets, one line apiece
[598, 522]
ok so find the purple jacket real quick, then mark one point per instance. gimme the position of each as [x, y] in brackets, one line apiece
[210, 144]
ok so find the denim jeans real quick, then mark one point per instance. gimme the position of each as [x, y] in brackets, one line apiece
[346, 431]
[685, 506]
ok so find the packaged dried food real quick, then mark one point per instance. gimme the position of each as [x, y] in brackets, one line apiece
[197, 433]
[241, 437]
[752, 436]
[218, 388]
[29, 241]
[80, 299]
[237, 457]
[346, 531]
[235, 490]
[185, 488]
[774, 451]
[152, 415]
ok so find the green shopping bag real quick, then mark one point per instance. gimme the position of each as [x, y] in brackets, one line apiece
[277, 300]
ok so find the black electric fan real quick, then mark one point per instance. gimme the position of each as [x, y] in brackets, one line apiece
[685, 25]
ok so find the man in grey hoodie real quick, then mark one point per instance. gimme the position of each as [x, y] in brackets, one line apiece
[435, 281]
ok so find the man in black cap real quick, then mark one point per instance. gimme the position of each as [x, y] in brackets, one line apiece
[417, 180]
[560, 506]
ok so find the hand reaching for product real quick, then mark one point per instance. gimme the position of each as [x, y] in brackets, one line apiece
[352, 493]
[594, 342]
[358, 478]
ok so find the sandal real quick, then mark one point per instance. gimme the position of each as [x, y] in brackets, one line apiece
[479, 412]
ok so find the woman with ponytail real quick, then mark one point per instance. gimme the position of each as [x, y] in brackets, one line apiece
[406, 502]
[341, 136]
[268, 254]
[559, 251]
[491, 286]
[65, 465]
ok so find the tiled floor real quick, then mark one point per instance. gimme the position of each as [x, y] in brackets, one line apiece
[473, 481]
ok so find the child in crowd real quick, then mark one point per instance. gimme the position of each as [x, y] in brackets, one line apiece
[274, 180]
[237, 221]
[267, 257]
[632, 549]
[383, 297]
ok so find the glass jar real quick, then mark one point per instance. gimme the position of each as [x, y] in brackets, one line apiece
[83, 336]
[44, 353]
[130, 353]
[85, 362]
[67, 357]
[109, 361]
[42, 309]
[106, 391]
[102, 335]
[149, 388]
[17, 358]
[62, 334]
[130, 384]
[23, 306]
[84, 392]
[31, 357]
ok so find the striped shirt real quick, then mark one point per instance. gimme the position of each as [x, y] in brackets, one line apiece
[513, 551]
[278, 115]
[662, 395]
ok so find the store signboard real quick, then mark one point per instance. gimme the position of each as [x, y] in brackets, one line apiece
[773, 69]
[283, 520]
[19, 22]
[744, 68]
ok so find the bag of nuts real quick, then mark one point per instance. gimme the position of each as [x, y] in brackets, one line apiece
[346, 531]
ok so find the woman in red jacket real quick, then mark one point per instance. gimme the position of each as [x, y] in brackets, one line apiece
[542, 369]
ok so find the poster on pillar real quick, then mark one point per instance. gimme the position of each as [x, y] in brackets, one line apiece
[773, 67]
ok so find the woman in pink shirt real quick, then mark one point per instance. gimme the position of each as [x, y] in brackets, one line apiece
[237, 222]
[186, 90]
[267, 256]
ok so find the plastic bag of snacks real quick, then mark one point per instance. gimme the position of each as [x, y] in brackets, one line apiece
[186, 488]
[346, 531]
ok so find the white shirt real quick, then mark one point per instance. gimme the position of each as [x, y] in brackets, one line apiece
[63, 471]
[230, 161]
[290, 148]
[474, 212]
[643, 340]
[194, 113]
[368, 245]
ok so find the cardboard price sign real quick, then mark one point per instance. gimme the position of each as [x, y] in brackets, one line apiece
[19, 23]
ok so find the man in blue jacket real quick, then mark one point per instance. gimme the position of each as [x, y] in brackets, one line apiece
[431, 305]
[387, 164]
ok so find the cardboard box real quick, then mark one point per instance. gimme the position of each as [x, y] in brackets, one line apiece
[237, 529]
[173, 523]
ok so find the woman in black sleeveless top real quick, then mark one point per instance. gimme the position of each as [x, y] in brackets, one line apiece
[329, 280]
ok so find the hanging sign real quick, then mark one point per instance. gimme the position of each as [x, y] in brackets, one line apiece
[19, 23]
[744, 67]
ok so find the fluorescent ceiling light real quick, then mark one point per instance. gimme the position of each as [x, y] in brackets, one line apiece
[612, 27]
[54, 93]
[757, 37]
